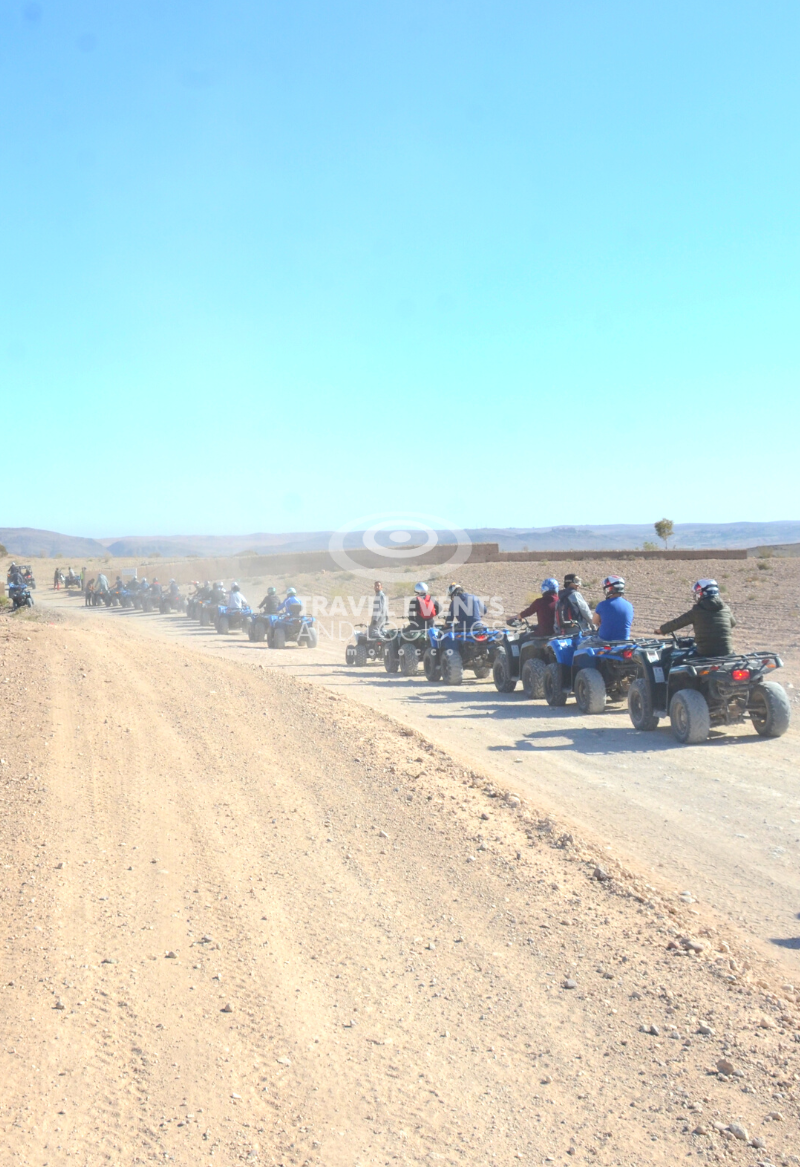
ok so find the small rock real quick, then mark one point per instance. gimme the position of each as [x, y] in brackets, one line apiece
[725, 1067]
[59, 866]
[513, 801]
[227, 1008]
[651, 1029]
[758, 1143]
[546, 1080]
[775, 1116]
[382, 835]
[687, 897]
[485, 816]
[59, 1004]
[283, 1061]
[430, 946]
[766, 1023]
[601, 874]
[705, 1030]
[236, 1096]
[699, 1130]
[570, 984]
[171, 955]
[739, 1132]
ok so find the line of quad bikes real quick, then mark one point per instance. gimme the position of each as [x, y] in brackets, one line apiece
[212, 610]
[657, 678]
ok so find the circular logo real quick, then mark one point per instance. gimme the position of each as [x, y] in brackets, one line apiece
[393, 540]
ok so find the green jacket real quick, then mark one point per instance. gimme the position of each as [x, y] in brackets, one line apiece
[712, 620]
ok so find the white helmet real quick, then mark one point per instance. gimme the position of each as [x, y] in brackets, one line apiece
[705, 587]
[421, 589]
[613, 585]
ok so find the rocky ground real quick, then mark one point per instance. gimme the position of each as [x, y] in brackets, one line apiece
[245, 918]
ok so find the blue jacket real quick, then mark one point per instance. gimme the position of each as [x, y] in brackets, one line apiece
[291, 607]
[465, 610]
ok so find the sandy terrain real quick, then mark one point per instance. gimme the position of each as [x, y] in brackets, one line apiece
[260, 919]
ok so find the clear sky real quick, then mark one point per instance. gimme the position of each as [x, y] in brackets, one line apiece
[273, 265]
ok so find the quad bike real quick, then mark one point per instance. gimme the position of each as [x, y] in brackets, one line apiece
[369, 648]
[20, 597]
[228, 619]
[520, 655]
[172, 602]
[71, 580]
[279, 629]
[559, 655]
[453, 648]
[407, 651]
[27, 575]
[697, 692]
[602, 672]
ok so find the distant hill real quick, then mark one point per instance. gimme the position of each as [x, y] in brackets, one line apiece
[27, 541]
[615, 536]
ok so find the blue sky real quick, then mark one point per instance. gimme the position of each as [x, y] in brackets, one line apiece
[270, 266]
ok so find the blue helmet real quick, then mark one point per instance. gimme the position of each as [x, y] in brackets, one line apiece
[550, 584]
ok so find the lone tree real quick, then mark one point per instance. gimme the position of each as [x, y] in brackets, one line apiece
[665, 529]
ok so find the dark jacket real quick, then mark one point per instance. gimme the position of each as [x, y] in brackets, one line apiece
[544, 609]
[270, 604]
[712, 620]
[465, 610]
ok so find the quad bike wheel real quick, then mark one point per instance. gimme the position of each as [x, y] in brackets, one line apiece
[590, 691]
[360, 658]
[640, 706]
[310, 638]
[501, 674]
[278, 637]
[481, 671]
[770, 711]
[433, 670]
[391, 659]
[452, 667]
[533, 672]
[204, 617]
[553, 692]
[223, 625]
[690, 718]
[409, 660]
[259, 631]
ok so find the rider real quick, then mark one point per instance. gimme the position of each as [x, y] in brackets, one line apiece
[270, 604]
[101, 583]
[380, 610]
[711, 618]
[236, 599]
[465, 609]
[613, 615]
[15, 578]
[292, 606]
[422, 608]
[572, 611]
[174, 590]
[543, 608]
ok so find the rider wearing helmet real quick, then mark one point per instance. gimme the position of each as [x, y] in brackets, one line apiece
[236, 599]
[292, 606]
[613, 615]
[711, 619]
[422, 608]
[380, 610]
[270, 604]
[543, 608]
[572, 612]
[465, 609]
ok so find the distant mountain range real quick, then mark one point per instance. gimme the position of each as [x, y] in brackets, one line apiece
[27, 541]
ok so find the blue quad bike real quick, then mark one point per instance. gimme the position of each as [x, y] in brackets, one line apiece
[452, 649]
[697, 692]
[520, 655]
[231, 619]
[279, 629]
[599, 673]
[20, 597]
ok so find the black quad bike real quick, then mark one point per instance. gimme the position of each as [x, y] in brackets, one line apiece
[368, 650]
[20, 597]
[698, 692]
[404, 653]
[520, 655]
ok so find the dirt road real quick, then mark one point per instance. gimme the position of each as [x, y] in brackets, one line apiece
[721, 821]
[247, 918]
